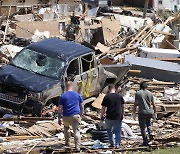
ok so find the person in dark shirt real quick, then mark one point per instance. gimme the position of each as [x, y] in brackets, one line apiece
[71, 109]
[113, 106]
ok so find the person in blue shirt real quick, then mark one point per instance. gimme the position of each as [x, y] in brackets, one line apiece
[70, 110]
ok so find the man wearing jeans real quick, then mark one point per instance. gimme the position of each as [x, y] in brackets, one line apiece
[113, 106]
[71, 105]
[144, 100]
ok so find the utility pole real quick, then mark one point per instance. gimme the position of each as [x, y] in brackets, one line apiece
[145, 8]
[0, 6]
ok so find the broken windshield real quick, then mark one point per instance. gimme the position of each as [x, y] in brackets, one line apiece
[39, 63]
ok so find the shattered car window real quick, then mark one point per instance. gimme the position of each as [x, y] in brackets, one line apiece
[39, 63]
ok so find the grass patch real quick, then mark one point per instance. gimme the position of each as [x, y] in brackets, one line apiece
[173, 150]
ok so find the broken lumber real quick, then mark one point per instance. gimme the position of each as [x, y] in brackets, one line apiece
[20, 137]
[135, 71]
[167, 59]
[161, 83]
[139, 34]
[32, 148]
[120, 149]
[173, 123]
[122, 50]
[162, 32]
[28, 119]
[170, 107]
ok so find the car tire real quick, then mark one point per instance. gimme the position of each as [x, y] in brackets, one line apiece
[100, 138]
[37, 109]
[98, 132]
[100, 135]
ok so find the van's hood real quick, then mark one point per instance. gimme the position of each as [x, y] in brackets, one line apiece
[26, 79]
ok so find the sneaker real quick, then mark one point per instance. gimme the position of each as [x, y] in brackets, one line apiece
[111, 146]
[145, 144]
[117, 146]
[67, 145]
[77, 149]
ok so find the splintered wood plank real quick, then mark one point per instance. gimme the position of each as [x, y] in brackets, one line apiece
[98, 101]
[139, 34]
[41, 131]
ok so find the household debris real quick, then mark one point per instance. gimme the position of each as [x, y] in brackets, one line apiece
[117, 35]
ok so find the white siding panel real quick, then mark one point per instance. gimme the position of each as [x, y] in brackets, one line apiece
[166, 4]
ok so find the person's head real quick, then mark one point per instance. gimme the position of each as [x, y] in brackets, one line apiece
[143, 85]
[118, 89]
[111, 88]
[69, 85]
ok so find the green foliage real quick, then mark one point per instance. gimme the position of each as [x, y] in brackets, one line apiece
[175, 150]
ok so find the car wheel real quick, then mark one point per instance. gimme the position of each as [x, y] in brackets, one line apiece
[98, 132]
[100, 138]
[37, 109]
[100, 135]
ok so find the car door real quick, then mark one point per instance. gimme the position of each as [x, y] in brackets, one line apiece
[89, 75]
[73, 74]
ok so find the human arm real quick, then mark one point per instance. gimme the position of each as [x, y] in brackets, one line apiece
[122, 108]
[81, 109]
[154, 105]
[81, 105]
[103, 111]
[60, 110]
[122, 111]
[104, 107]
[135, 107]
[154, 108]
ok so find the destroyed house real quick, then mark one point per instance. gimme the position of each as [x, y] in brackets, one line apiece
[104, 2]
[173, 5]
[16, 5]
[139, 3]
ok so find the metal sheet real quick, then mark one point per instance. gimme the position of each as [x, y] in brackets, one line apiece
[160, 70]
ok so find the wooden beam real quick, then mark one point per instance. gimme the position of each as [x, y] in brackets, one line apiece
[120, 149]
[121, 50]
[134, 71]
[28, 119]
[164, 33]
[139, 34]
[167, 59]
[20, 137]
[161, 83]
[170, 107]
[172, 45]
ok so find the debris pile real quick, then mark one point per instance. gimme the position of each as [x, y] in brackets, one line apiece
[149, 45]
